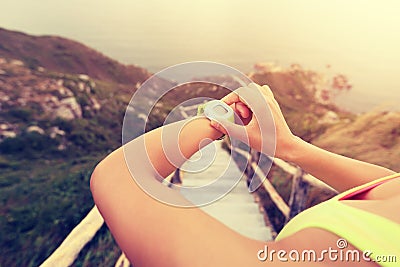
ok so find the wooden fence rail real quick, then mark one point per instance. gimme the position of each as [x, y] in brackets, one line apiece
[69, 249]
[300, 183]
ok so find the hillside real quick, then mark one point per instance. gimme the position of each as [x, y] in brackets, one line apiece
[66, 56]
[56, 122]
[54, 128]
[372, 137]
[61, 111]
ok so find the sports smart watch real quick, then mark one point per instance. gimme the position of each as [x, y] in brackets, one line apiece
[216, 110]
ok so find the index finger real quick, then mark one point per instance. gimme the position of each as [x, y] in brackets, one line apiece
[234, 97]
[230, 98]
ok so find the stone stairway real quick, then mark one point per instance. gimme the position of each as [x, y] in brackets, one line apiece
[235, 209]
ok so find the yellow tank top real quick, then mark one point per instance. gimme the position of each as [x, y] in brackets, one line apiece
[364, 230]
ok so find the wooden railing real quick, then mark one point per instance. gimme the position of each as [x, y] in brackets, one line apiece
[83, 233]
[69, 249]
[301, 182]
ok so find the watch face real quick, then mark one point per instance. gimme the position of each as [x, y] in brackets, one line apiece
[220, 110]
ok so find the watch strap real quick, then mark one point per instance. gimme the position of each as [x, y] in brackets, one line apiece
[200, 112]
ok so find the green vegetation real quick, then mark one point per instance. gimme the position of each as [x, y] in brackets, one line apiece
[44, 189]
[372, 137]
[42, 200]
[29, 145]
[21, 114]
[44, 179]
[101, 251]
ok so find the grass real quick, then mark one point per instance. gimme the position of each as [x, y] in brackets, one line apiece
[373, 137]
[42, 201]
[44, 192]
[101, 251]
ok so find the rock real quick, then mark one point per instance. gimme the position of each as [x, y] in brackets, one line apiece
[60, 82]
[52, 99]
[55, 131]
[22, 101]
[95, 104]
[8, 134]
[69, 109]
[16, 62]
[4, 126]
[35, 128]
[267, 67]
[7, 131]
[330, 117]
[130, 109]
[2, 61]
[65, 113]
[61, 147]
[81, 86]
[2, 72]
[4, 98]
[65, 91]
[40, 69]
[142, 116]
[84, 77]
[92, 84]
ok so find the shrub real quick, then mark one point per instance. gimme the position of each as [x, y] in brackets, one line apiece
[21, 114]
[28, 145]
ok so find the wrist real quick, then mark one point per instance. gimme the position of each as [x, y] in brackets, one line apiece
[295, 150]
[200, 128]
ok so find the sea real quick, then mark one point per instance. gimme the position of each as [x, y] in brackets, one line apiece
[356, 38]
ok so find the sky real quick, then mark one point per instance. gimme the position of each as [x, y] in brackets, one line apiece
[353, 26]
[358, 38]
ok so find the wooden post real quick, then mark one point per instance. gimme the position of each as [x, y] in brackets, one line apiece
[298, 195]
[176, 178]
[249, 171]
[122, 261]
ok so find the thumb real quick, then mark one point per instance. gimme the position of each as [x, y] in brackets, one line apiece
[233, 130]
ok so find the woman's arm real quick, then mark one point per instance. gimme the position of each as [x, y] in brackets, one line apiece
[150, 232]
[338, 171]
[151, 157]
[153, 233]
[168, 147]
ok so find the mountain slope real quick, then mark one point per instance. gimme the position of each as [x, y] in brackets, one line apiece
[66, 56]
[373, 137]
[55, 125]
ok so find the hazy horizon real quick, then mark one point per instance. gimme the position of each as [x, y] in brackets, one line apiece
[358, 38]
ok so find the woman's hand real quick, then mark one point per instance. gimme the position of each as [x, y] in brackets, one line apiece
[264, 128]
